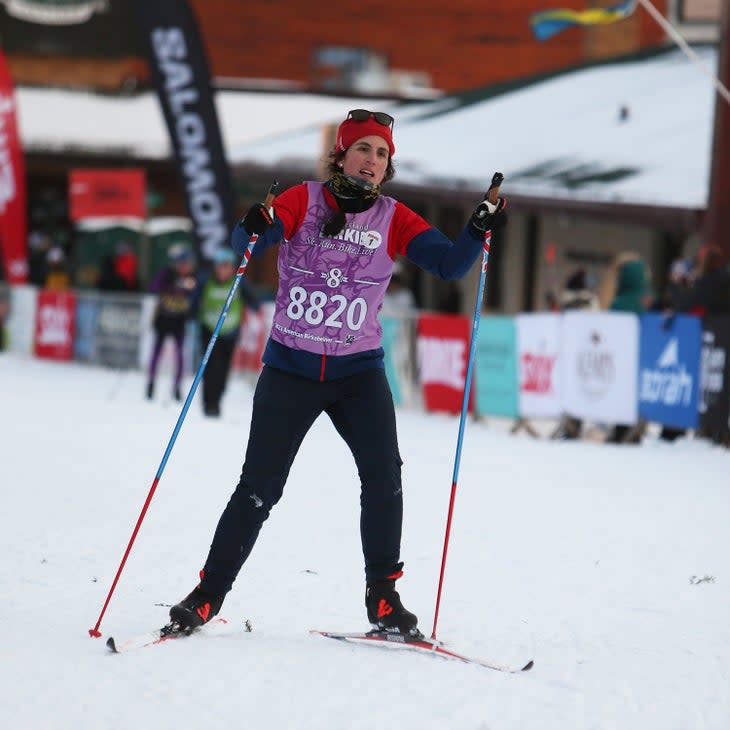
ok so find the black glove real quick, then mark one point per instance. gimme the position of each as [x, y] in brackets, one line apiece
[488, 216]
[258, 219]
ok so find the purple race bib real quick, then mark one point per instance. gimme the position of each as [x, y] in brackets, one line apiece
[331, 288]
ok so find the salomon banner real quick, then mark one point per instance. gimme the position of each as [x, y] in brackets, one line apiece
[600, 366]
[714, 403]
[538, 352]
[443, 346]
[180, 72]
[496, 367]
[669, 369]
[13, 247]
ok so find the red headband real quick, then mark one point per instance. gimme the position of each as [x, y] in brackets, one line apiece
[350, 131]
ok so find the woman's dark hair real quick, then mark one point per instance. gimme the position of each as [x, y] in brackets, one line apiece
[336, 157]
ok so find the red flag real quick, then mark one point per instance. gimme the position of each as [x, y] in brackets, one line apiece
[12, 185]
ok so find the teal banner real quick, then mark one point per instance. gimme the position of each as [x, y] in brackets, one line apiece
[391, 343]
[496, 367]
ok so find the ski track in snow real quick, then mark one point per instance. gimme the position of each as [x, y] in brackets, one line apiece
[576, 554]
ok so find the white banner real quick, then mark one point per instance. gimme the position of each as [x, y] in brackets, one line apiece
[601, 366]
[20, 325]
[538, 351]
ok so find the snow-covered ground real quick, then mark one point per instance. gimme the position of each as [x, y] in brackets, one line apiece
[580, 555]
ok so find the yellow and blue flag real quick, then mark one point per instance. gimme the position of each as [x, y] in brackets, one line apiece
[547, 23]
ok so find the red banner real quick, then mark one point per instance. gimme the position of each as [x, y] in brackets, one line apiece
[13, 226]
[99, 193]
[443, 350]
[54, 325]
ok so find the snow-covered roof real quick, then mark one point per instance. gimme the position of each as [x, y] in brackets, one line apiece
[563, 136]
[61, 120]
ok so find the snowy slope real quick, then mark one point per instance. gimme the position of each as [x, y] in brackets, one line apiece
[577, 554]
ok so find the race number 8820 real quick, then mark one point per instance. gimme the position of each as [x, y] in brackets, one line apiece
[312, 308]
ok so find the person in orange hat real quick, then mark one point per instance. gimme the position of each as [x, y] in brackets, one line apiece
[339, 241]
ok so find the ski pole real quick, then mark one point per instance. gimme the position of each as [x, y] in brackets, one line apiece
[234, 287]
[492, 197]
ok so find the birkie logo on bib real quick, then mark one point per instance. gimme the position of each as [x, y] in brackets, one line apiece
[370, 239]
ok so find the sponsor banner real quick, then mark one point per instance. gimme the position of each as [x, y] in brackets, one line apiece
[394, 346]
[107, 193]
[87, 314]
[600, 366]
[20, 326]
[255, 328]
[714, 399]
[180, 73]
[54, 325]
[118, 328]
[669, 369]
[442, 349]
[13, 224]
[497, 390]
[539, 364]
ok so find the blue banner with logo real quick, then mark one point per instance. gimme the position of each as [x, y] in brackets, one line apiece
[87, 314]
[497, 388]
[390, 337]
[669, 369]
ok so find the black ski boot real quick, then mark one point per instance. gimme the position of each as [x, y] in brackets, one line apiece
[385, 610]
[196, 609]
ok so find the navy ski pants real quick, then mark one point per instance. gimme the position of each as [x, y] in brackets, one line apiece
[284, 408]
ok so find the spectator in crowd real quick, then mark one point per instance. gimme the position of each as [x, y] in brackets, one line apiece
[632, 294]
[176, 287]
[709, 296]
[399, 300]
[214, 292]
[675, 296]
[57, 277]
[119, 270]
[39, 243]
[577, 294]
[710, 291]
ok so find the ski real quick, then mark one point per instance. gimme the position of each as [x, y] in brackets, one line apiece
[151, 638]
[417, 643]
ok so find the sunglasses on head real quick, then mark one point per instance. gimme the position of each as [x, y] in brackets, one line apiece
[362, 115]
